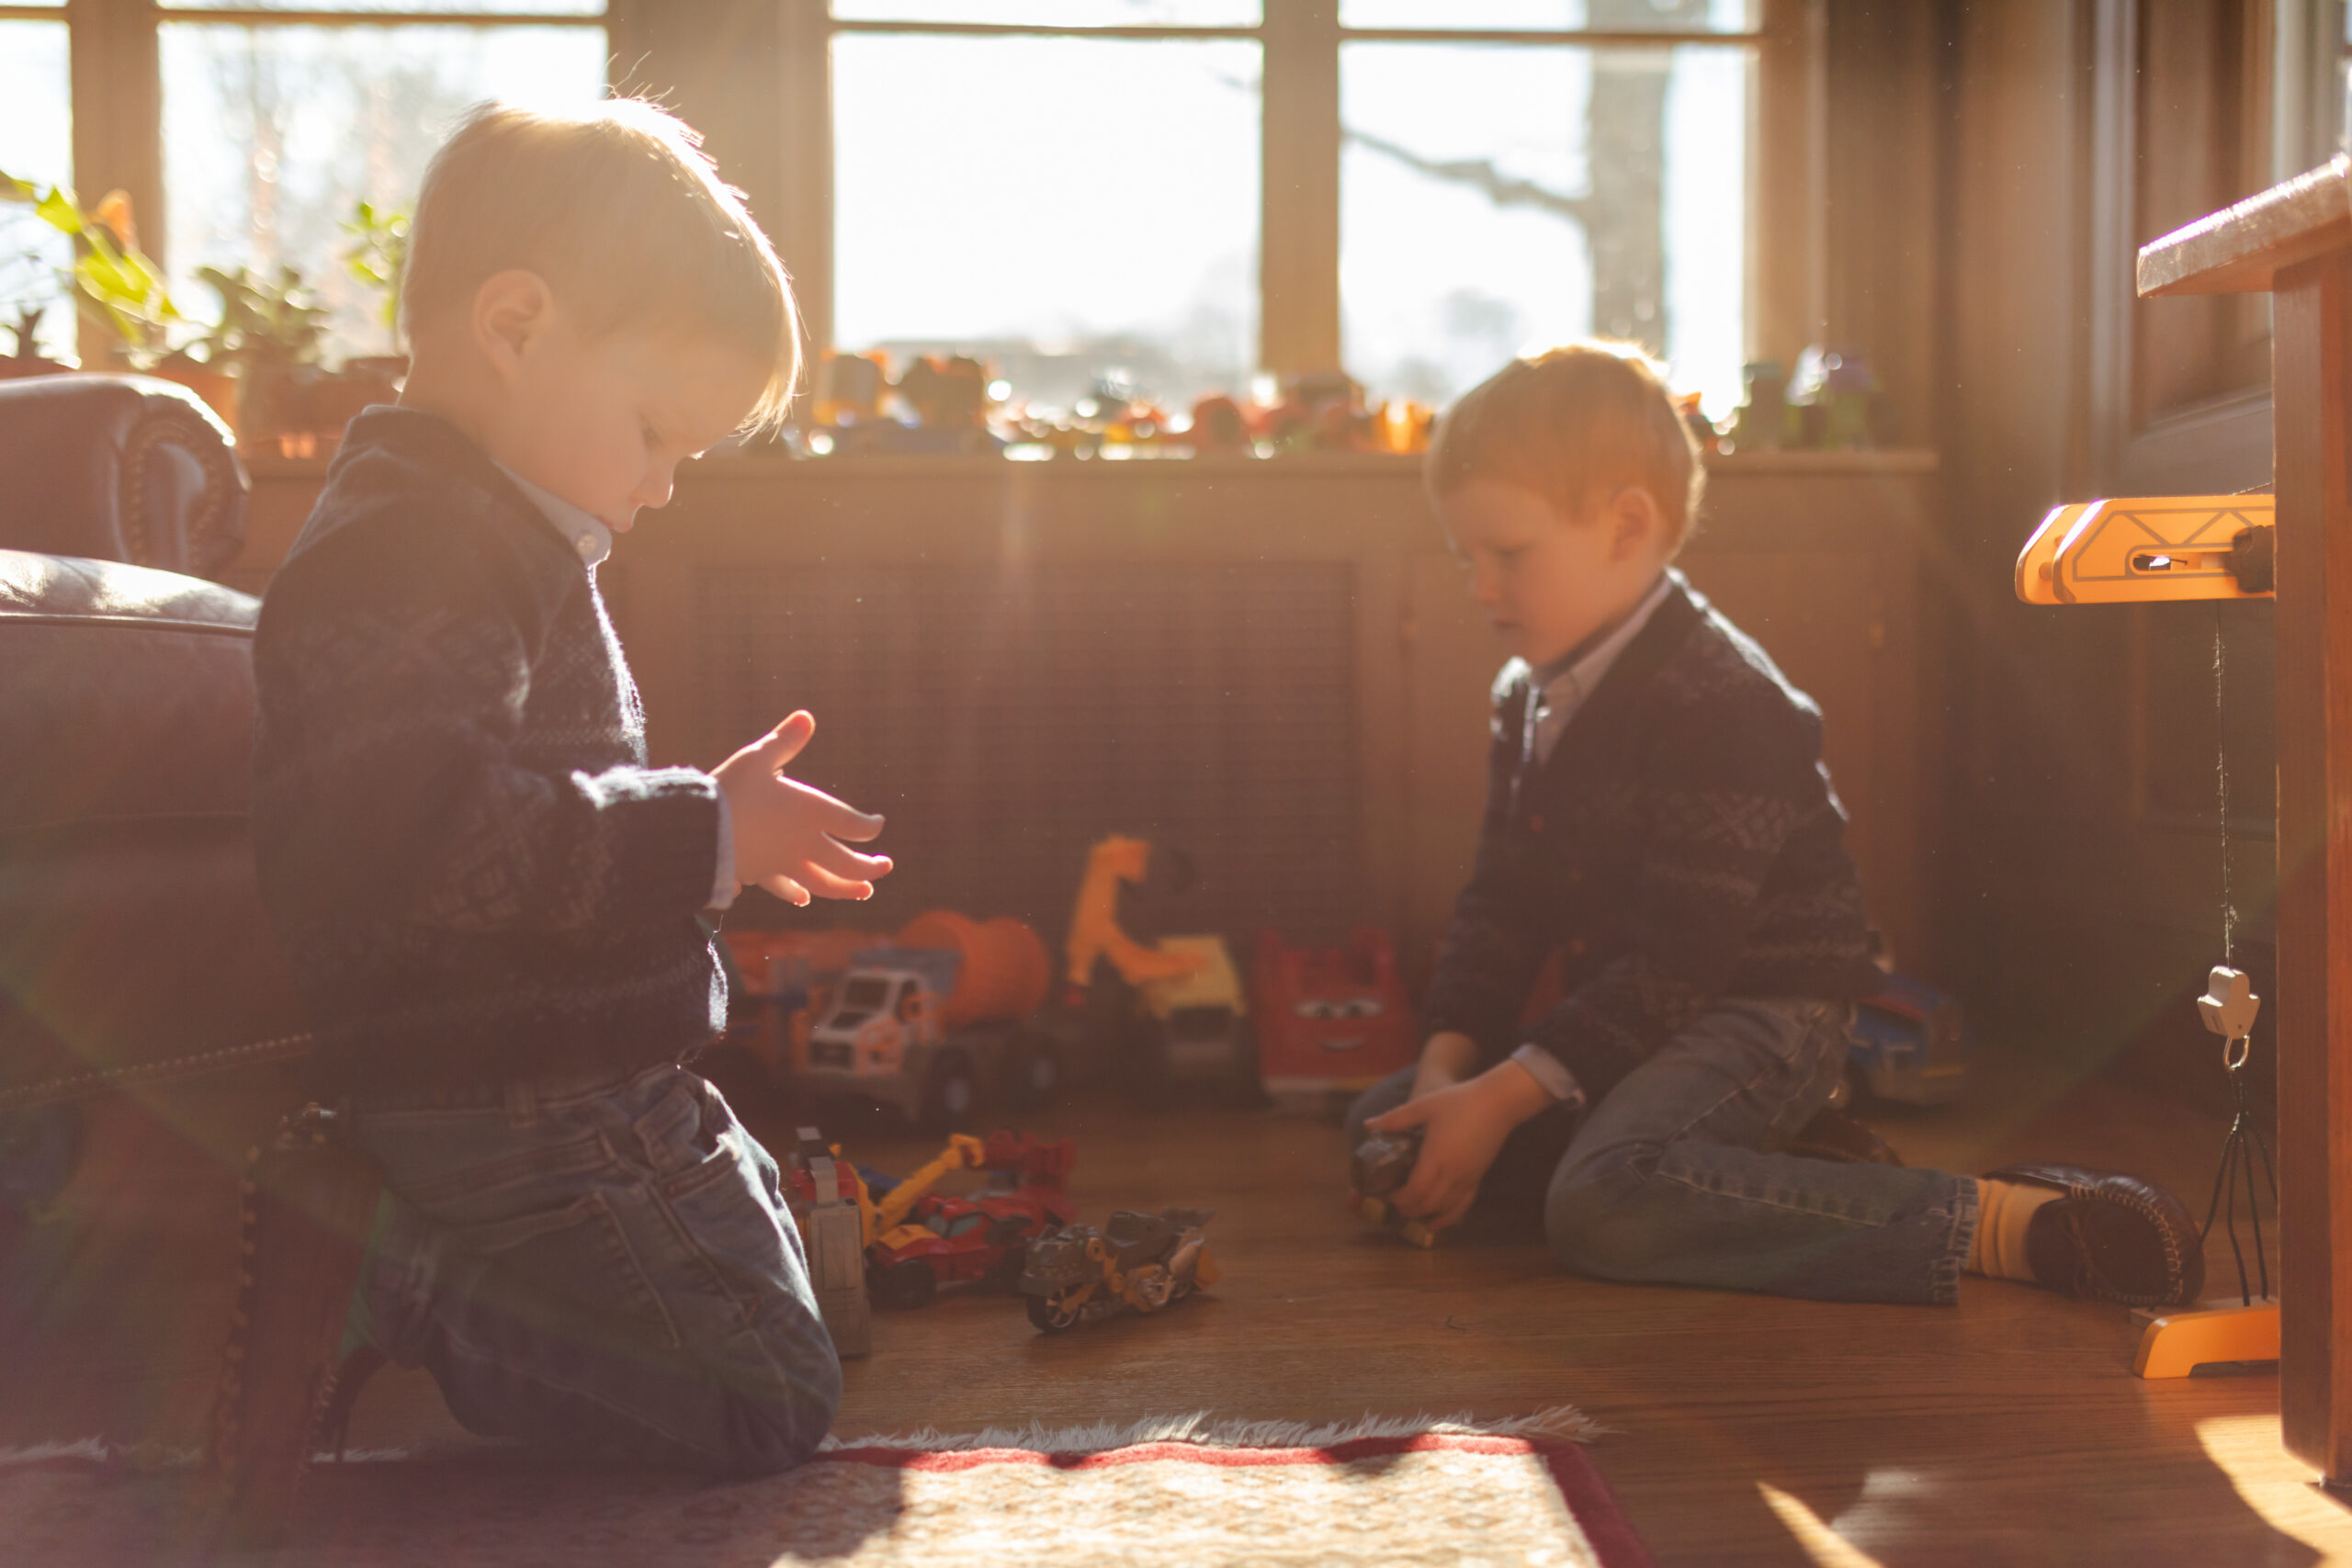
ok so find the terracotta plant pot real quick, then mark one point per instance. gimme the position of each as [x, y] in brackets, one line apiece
[217, 387]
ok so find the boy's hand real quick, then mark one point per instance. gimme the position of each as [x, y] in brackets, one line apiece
[787, 836]
[1445, 1061]
[1463, 1128]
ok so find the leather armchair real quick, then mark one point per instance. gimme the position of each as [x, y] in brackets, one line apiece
[118, 469]
[132, 942]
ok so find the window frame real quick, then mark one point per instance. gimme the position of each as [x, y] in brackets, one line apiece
[116, 54]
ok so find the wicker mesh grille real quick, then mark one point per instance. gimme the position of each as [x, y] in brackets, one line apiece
[1005, 721]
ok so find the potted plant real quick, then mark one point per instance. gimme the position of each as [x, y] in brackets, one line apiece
[114, 283]
[270, 330]
[378, 258]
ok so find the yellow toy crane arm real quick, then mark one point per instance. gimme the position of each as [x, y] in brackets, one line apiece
[963, 1152]
[1094, 924]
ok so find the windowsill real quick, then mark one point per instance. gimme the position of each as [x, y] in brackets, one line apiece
[1897, 461]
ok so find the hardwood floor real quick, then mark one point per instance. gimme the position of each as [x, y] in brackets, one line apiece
[1744, 1429]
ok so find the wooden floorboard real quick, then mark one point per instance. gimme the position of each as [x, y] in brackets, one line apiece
[1743, 1429]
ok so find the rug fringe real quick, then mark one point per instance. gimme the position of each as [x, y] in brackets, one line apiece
[1558, 1423]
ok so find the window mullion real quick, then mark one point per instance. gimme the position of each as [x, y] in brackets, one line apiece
[118, 91]
[1298, 240]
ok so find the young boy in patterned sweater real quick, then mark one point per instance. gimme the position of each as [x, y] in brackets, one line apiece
[489, 898]
[1658, 820]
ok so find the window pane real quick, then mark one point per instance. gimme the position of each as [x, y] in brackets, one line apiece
[490, 8]
[1556, 15]
[1496, 198]
[35, 143]
[1058, 12]
[271, 134]
[1060, 252]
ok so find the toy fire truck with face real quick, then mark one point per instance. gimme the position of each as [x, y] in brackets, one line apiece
[1331, 1021]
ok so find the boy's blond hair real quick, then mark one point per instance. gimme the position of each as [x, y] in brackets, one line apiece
[1565, 422]
[623, 214]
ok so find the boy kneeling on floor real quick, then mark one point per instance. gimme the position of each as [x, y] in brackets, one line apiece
[1659, 815]
[489, 898]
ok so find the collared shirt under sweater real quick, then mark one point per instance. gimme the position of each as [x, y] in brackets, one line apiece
[1675, 843]
[478, 878]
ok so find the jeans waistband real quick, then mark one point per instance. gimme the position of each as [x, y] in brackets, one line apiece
[520, 1101]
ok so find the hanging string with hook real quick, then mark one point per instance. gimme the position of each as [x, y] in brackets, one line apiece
[2221, 780]
[2229, 1008]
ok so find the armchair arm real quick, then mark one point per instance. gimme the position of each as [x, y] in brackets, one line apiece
[118, 467]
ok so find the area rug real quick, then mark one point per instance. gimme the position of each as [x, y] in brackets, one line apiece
[1184, 1490]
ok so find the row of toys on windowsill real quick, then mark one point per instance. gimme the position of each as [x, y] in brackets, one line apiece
[874, 1240]
[1831, 402]
[945, 406]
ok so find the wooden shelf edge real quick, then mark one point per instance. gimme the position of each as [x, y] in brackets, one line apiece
[2240, 249]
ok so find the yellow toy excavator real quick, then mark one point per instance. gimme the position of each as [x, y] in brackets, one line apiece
[1171, 1013]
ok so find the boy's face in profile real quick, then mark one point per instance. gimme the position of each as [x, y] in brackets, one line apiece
[602, 420]
[1547, 581]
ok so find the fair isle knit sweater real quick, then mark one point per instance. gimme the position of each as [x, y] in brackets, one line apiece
[1679, 845]
[476, 876]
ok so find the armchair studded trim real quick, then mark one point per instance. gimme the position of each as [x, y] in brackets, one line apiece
[213, 524]
[118, 469]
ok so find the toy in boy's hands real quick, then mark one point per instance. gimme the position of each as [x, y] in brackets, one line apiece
[1382, 1165]
[789, 837]
[1461, 1128]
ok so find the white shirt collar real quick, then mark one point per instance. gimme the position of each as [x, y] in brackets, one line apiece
[588, 537]
[1574, 677]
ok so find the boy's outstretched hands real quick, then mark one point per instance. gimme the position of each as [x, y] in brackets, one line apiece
[1462, 1125]
[789, 839]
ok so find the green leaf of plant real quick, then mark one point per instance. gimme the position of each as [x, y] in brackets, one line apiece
[57, 209]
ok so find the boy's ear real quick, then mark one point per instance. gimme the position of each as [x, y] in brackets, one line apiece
[511, 308]
[1635, 524]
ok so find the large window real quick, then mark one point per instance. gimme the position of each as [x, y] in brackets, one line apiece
[1511, 173]
[274, 131]
[1495, 197]
[1075, 191]
[1074, 212]
[35, 143]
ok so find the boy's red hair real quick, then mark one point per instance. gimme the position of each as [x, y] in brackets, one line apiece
[621, 211]
[1570, 421]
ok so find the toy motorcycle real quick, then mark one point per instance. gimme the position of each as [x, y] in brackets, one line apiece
[1137, 1262]
[1383, 1164]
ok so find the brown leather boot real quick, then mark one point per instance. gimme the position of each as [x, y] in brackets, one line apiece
[2113, 1237]
[308, 1201]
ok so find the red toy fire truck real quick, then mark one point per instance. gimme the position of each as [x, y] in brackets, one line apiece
[1331, 1021]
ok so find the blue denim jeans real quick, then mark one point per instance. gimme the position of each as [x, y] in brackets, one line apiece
[1678, 1175]
[606, 1266]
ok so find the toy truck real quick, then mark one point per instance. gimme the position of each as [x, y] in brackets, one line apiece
[1911, 1045]
[937, 1023]
[1162, 1017]
[776, 984]
[1331, 1021]
[923, 1240]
